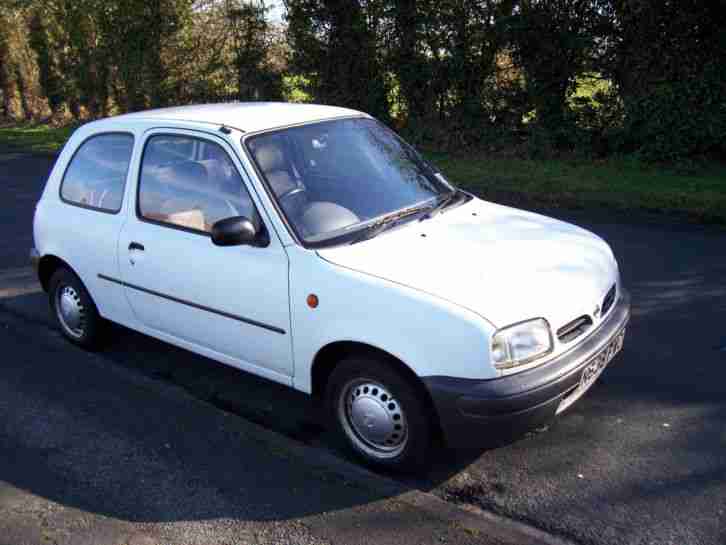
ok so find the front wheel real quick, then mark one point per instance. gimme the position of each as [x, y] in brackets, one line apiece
[380, 414]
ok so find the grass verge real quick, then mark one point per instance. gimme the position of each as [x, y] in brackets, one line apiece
[38, 138]
[617, 183]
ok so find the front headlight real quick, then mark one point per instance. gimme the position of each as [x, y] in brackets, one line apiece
[521, 343]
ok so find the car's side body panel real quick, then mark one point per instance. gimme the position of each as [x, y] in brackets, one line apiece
[425, 332]
[282, 378]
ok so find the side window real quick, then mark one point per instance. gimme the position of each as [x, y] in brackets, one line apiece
[96, 176]
[189, 182]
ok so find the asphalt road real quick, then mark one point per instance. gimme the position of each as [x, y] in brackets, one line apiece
[21, 182]
[641, 459]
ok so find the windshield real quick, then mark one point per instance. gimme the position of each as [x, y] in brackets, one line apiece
[333, 177]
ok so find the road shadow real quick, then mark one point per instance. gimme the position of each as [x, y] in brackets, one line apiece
[96, 444]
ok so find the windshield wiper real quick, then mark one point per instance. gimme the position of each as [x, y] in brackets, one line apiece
[442, 203]
[376, 228]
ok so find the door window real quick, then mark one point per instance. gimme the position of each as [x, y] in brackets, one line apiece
[96, 175]
[190, 183]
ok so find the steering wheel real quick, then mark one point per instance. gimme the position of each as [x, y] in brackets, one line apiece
[292, 192]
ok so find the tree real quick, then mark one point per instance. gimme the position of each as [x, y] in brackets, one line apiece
[22, 96]
[251, 43]
[51, 79]
[668, 61]
[139, 34]
[336, 44]
[552, 41]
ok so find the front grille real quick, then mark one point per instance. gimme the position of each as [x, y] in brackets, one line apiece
[608, 301]
[572, 330]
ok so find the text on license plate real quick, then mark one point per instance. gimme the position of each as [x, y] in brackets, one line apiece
[599, 362]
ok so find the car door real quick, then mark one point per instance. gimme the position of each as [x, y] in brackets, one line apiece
[230, 303]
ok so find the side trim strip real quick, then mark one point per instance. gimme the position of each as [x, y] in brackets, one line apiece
[194, 305]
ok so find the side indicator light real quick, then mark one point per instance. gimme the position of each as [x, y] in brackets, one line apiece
[313, 300]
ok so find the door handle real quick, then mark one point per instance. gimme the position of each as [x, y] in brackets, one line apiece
[133, 248]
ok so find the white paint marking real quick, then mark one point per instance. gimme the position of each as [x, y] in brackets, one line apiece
[19, 272]
[19, 281]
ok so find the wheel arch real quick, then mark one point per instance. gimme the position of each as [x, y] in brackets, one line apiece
[47, 265]
[333, 353]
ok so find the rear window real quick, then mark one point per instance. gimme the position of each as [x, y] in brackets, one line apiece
[96, 176]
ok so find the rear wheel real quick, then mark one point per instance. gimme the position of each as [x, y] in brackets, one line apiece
[74, 310]
[379, 414]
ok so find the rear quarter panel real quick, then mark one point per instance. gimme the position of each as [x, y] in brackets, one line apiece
[85, 239]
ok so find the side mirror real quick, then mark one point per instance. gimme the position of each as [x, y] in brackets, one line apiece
[237, 231]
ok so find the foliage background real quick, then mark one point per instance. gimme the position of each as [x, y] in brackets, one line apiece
[532, 77]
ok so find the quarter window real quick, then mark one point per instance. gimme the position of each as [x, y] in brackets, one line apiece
[191, 183]
[96, 176]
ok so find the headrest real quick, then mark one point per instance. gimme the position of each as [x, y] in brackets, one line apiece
[270, 158]
[188, 172]
[216, 169]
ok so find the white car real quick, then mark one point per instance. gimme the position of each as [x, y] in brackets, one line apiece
[312, 246]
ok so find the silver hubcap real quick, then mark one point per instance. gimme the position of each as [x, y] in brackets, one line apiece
[70, 310]
[373, 419]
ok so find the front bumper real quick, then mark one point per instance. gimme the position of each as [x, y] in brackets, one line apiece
[479, 412]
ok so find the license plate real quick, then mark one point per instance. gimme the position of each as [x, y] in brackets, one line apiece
[593, 370]
[598, 364]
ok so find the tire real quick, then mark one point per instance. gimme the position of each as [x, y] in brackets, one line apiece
[363, 391]
[74, 310]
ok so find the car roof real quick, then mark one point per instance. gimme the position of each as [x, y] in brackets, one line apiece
[245, 116]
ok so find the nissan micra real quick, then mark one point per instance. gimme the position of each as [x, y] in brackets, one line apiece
[312, 246]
